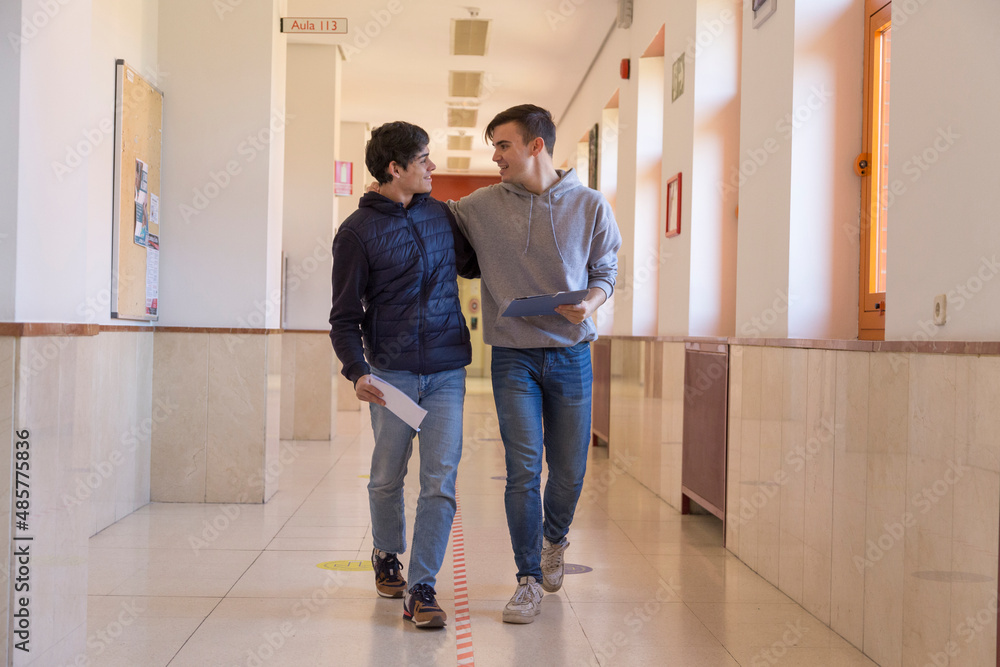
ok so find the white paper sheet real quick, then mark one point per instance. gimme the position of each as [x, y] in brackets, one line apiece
[400, 404]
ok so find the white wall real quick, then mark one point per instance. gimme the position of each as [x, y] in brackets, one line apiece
[825, 126]
[309, 199]
[648, 193]
[764, 176]
[714, 71]
[10, 23]
[52, 229]
[223, 126]
[943, 228]
[121, 29]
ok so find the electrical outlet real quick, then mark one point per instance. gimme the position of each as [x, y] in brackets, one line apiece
[940, 309]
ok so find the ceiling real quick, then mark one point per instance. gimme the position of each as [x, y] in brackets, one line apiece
[398, 59]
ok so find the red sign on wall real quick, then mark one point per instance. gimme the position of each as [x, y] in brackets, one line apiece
[343, 178]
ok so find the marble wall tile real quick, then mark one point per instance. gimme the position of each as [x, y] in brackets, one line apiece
[8, 346]
[847, 584]
[734, 502]
[889, 403]
[927, 590]
[144, 418]
[130, 421]
[885, 512]
[48, 391]
[793, 490]
[107, 434]
[985, 416]
[932, 407]
[819, 467]
[288, 342]
[974, 607]
[272, 419]
[313, 369]
[237, 393]
[750, 490]
[180, 387]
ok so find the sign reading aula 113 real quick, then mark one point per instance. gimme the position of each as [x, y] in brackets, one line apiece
[314, 25]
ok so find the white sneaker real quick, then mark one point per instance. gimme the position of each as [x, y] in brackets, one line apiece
[526, 603]
[552, 564]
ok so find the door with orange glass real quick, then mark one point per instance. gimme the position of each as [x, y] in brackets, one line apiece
[875, 194]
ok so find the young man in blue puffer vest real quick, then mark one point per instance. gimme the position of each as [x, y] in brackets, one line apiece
[396, 315]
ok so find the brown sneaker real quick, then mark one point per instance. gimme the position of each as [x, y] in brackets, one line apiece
[422, 608]
[389, 582]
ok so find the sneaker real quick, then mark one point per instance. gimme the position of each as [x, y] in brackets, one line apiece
[389, 582]
[421, 608]
[526, 603]
[552, 564]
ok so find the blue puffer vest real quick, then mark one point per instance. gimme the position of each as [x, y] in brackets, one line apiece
[394, 287]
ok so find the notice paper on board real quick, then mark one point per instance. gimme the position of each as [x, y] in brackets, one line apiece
[400, 404]
[543, 304]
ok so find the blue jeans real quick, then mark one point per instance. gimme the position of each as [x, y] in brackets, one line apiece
[442, 395]
[543, 401]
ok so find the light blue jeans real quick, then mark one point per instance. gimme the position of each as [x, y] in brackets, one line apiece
[543, 403]
[440, 440]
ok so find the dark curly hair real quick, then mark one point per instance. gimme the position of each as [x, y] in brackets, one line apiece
[397, 142]
[533, 121]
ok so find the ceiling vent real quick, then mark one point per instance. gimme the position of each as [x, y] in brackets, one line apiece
[465, 84]
[462, 117]
[469, 37]
[625, 14]
[459, 163]
[459, 142]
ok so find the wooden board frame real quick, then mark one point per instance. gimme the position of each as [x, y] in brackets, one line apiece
[138, 135]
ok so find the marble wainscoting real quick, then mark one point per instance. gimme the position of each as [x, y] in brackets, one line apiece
[83, 403]
[647, 413]
[310, 375]
[221, 393]
[865, 485]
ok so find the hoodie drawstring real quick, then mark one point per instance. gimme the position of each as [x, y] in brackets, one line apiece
[531, 204]
[555, 238]
[552, 222]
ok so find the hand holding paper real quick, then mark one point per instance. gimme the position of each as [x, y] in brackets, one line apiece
[543, 304]
[400, 404]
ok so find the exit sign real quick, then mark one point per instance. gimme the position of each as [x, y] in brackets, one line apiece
[314, 26]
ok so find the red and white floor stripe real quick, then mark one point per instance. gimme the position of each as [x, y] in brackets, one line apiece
[463, 622]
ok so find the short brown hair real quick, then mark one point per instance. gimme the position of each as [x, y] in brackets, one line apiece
[533, 122]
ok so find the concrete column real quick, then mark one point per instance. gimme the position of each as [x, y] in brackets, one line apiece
[224, 131]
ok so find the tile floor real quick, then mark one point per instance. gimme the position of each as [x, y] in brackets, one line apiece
[196, 585]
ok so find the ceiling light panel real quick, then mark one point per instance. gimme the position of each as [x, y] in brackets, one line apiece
[462, 117]
[469, 37]
[465, 84]
[459, 163]
[459, 143]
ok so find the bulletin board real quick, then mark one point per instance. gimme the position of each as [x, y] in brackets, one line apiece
[135, 241]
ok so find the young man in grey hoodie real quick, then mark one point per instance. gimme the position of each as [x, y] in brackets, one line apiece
[539, 231]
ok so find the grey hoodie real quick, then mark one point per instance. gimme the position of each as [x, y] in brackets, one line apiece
[564, 239]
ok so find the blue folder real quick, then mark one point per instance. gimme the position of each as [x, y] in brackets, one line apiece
[543, 304]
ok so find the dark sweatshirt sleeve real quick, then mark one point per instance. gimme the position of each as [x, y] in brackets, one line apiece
[466, 261]
[350, 278]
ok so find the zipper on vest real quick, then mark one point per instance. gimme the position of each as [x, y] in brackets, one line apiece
[421, 306]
